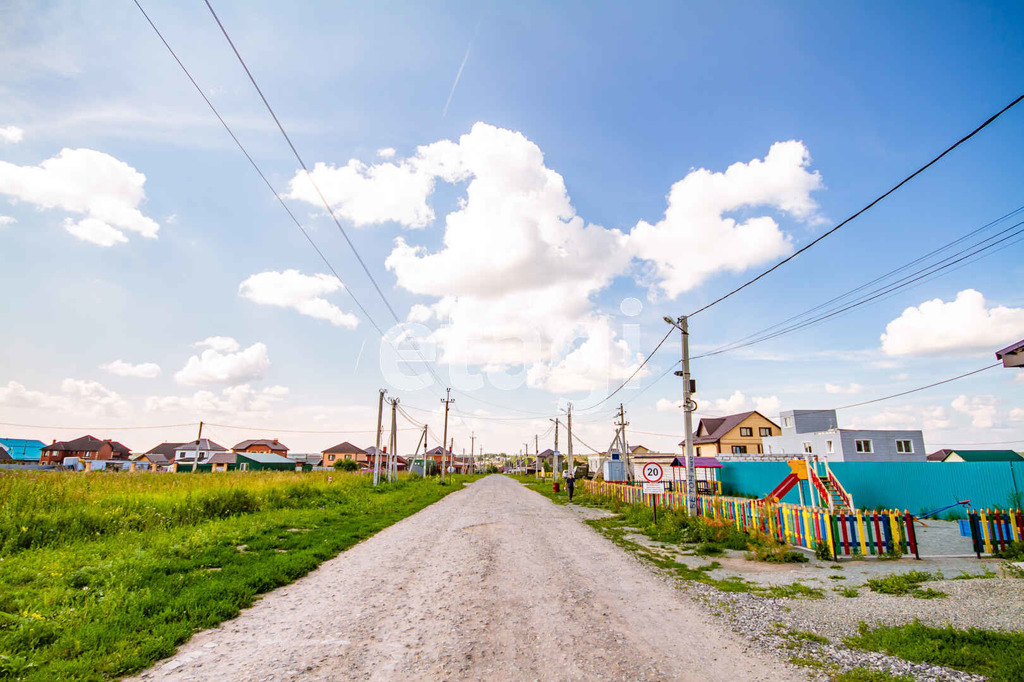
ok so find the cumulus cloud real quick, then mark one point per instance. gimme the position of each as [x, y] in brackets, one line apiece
[224, 362]
[696, 240]
[386, 152]
[11, 134]
[964, 325]
[928, 417]
[106, 191]
[145, 370]
[1017, 414]
[839, 389]
[303, 293]
[666, 405]
[982, 409]
[769, 406]
[7, 220]
[76, 396]
[231, 400]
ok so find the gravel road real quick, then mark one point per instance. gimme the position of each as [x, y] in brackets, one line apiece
[492, 582]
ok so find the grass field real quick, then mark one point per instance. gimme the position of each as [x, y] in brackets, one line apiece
[101, 574]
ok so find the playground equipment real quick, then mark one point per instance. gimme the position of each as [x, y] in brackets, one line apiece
[825, 486]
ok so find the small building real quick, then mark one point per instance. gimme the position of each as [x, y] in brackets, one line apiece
[21, 449]
[953, 455]
[642, 455]
[1012, 355]
[203, 449]
[261, 445]
[705, 479]
[159, 457]
[341, 452]
[222, 461]
[87, 448]
[736, 434]
[262, 461]
[816, 433]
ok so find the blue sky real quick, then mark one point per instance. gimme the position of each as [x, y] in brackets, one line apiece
[619, 103]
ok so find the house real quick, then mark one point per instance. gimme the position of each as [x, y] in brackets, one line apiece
[952, 455]
[262, 461]
[222, 461]
[261, 445]
[5, 458]
[159, 456]
[204, 448]
[86, 448]
[21, 449]
[1012, 355]
[736, 434]
[343, 451]
[817, 433]
[642, 455]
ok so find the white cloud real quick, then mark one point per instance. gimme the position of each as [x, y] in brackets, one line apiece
[1020, 376]
[964, 325]
[695, 240]
[666, 405]
[1017, 414]
[83, 181]
[224, 362]
[7, 220]
[77, 396]
[303, 293]
[231, 400]
[738, 402]
[839, 389]
[145, 370]
[982, 409]
[386, 152]
[11, 134]
[927, 417]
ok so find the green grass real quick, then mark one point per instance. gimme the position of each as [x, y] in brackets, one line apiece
[101, 574]
[996, 655]
[868, 675]
[795, 590]
[900, 584]
[848, 592]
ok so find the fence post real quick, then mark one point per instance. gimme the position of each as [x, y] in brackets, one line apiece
[911, 534]
[972, 520]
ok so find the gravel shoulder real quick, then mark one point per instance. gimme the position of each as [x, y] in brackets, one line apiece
[492, 582]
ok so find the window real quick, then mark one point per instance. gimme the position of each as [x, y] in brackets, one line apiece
[863, 445]
[905, 447]
[764, 431]
[739, 449]
[787, 422]
[746, 431]
[348, 456]
[244, 466]
[807, 447]
[330, 458]
[830, 445]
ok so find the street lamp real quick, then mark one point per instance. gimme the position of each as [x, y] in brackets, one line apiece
[688, 408]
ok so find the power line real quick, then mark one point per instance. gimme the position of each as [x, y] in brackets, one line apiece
[258, 170]
[271, 429]
[895, 187]
[630, 378]
[99, 428]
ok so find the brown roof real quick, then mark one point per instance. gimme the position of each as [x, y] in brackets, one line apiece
[156, 457]
[86, 444]
[939, 455]
[222, 458]
[345, 448]
[165, 449]
[711, 429]
[273, 444]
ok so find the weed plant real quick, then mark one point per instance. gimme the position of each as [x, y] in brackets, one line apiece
[900, 584]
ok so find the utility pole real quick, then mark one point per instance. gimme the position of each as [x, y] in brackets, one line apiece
[195, 460]
[472, 452]
[627, 457]
[555, 464]
[536, 450]
[444, 439]
[570, 462]
[376, 455]
[392, 462]
[688, 409]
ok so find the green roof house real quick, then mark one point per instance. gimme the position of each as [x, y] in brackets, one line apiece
[263, 461]
[951, 455]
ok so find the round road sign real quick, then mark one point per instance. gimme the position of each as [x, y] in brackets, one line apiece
[653, 472]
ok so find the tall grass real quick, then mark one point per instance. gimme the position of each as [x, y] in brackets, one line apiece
[101, 573]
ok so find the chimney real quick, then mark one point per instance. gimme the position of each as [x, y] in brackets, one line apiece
[275, 442]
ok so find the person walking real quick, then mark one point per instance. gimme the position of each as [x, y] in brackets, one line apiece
[570, 482]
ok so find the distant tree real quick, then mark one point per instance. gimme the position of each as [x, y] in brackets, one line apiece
[346, 465]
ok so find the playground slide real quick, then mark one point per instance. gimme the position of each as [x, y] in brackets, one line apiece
[788, 483]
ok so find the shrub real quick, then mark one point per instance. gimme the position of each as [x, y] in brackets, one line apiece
[900, 584]
[774, 552]
[1013, 552]
[346, 465]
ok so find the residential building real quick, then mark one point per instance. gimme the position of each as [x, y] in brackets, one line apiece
[817, 433]
[261, 461]
[86, 448]
[222, 460]
[1012, 355]
[204, 448]
[951, 455]
[734, 436]
[262, 445]
[642, 455]
[343, 451]
[22, 449]
[159, 456]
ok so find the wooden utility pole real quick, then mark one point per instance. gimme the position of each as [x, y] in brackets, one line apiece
[472, 452]
[570, 462]
[195, 460]
[536, 451]
[555, 464]
[424, 451]
[444, 439]
[392, 463]
[376, 455]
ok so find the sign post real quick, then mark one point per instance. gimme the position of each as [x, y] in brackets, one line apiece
[653, 485]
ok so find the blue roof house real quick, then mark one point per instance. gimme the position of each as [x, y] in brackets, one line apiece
[22, 449]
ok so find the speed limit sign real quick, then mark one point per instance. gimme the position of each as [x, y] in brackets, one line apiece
[653, 472]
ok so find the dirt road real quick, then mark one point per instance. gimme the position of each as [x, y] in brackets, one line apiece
[493, 582]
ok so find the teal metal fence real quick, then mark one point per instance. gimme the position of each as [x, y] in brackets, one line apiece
[914, 486]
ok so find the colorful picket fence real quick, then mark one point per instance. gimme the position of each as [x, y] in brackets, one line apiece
[858, 532]
[992, 531]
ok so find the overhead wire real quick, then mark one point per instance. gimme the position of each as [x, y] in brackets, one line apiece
[863, 210]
